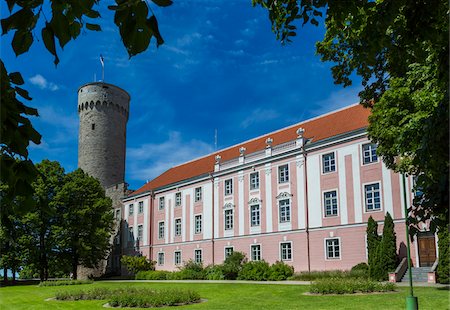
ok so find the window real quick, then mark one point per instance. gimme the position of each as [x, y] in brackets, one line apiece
[330, 203]
[177, 227]
[161, 231]
[254, 180]
[228, 251]
[140, 232]
[255, 217]
[198, 194]
[372, 194]
[369, 153]
[286, 251]
[283, 174]
[117, 240]
[328, 163]
[198, 256]
[161, 203]
[198, 224]
[130, 233]
[228, 187]
[118, 214]
[178, 199]
[177, 257]
[93, 126]
[141, 207]
[255, 250]
[332, 248]
[285, 211]
[229, 219]
[161, 258]
[130, 210]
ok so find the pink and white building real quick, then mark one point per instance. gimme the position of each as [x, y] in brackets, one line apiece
[302, 194]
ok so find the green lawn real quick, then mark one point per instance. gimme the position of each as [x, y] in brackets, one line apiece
[232, 296]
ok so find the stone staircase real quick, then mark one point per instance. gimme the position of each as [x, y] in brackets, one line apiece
[419, 274]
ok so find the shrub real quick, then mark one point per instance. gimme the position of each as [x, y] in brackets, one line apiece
[360, 270]
[190, 270]
[280, 271]
[65, 282]
[134, 264]
[214, 272]
[443, 269]
[233, 265]
[154, 275]
[255, 271]
[317, 275]
[373, 240]
[349, 286]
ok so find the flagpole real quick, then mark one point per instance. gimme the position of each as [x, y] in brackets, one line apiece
[102, 61]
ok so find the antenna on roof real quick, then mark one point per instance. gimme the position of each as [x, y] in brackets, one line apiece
[215, 139]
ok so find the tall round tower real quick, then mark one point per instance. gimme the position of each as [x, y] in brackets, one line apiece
[103, 110]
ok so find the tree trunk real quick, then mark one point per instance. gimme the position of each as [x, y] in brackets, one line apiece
[74, 265]
[5, 274]
[13, 275]
[43, 263]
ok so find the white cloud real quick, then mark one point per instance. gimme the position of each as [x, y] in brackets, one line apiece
[42, 83]
[337, 100]
[150, 160]
[258, 116]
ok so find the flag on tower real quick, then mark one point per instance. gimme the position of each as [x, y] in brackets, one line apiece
[101, 60]
[103, 67]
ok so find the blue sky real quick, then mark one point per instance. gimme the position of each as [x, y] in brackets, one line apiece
[220, 68]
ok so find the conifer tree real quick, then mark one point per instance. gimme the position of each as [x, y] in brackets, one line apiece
[443, 269]
[388, 247]
[373, 241]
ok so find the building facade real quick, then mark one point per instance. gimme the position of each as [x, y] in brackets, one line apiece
[301, 195]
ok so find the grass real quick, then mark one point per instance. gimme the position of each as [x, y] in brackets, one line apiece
[65, 282]
[229, 296]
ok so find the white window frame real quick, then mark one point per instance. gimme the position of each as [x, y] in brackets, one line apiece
[198, 194]
[161, 258]
[324, 203]
[140, 232]
[258, 217]
[225, 256]
[287, 215]
[331, 164]
[196, 230]
[291, 250]
[230, 225]
[371, 158]
[177, 226]
[251, 252]
[366, 210]
[254, 181]
[228, 187]
[325, 243]
[201, 255]
[177, 199]
[130, 209]
[283, 175]
[140, 207]
[117, 214]
[163, 230]
[162, 203]
[175, 258]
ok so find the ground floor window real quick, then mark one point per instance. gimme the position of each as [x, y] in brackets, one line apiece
[333, 248]
[228, 251]
[286, 251]
[160, 258]
[177, 257]
[198, 256]
[255, 252]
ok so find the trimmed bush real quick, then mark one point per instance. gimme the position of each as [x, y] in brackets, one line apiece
[349, 286]
[255, 271]
[373, 240]
[154, 275]
[280, 271]
[64, 282]
[443, 268]
[360, 270]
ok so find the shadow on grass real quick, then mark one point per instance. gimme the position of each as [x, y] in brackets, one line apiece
[444, 288]
[19, 283]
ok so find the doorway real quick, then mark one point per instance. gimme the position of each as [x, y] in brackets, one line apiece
[427, 249]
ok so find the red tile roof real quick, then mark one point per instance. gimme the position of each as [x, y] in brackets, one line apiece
[332, 124]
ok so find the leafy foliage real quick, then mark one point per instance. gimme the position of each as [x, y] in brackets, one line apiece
[255, 271]
[153, 275]
[373, 240]
[65, 282]
[400, 51]
[134, 264]
[362, 269]
[280, 271]
[232, 265]
[330, 274]
[349, 286]
[443, 269]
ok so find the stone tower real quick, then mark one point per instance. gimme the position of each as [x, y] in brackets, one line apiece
[103, 110]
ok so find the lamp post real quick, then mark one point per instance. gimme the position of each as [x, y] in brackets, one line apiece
[411, 301]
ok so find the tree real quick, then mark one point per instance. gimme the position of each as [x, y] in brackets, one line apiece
[443, 268]
[134, 264]
[373, 240]
[84, 221]
[388, 247]
[63, 22]
[400, 51]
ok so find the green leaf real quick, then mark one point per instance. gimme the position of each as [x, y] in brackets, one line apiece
[49, 41]
[93, 27]
[314, 22]
[16, 78]
[22, 92]
[153, 24]
[163, 2]
[20, 20]
[21, 42]
[11, 4]
[60, 25]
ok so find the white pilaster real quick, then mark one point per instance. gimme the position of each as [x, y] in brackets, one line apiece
[216, 207]
[207, 210]
[146, 217]
[241, 202]
[300, 168]
[387, 190]
[314, 199]
[268, 172]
